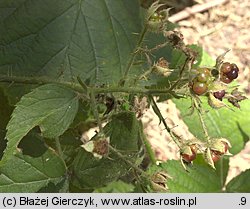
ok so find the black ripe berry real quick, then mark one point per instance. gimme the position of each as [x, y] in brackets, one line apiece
[225, 68]
[228, 72]
[233, 74]
[219, 94]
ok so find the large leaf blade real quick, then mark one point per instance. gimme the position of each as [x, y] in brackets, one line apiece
[233, 125]
[124, 132]
[240, 183]
[69, 38]
[199, 178]
[52, 107]
[23, 173]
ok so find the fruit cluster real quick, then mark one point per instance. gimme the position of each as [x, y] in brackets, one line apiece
[204, 77]
[201, 81]
[228, 72]
[212, 151]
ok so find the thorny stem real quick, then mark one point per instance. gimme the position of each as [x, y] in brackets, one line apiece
[132, 58]
[78, 88]
[180, 75]
[203, 125]
[175, 138]
[197, 106]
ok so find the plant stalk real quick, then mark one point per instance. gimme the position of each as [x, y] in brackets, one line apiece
[79, 88]
[133, 55]
[174, 137]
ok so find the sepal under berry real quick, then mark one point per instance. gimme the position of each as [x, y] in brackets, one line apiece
[209, 158]
[159, 181]
[214, 102]
[221, 146]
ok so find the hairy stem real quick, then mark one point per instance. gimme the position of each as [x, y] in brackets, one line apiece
[204, 128]
[175, 138]
[180, 75]
[203, 125]
[94, 109]
[133, 55]
[79, 88]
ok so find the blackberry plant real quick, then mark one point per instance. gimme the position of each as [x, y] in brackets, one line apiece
[68, 66]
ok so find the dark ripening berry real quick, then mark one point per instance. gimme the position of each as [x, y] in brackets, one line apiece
[188, 158]
[215, 156]
[202, 77]
[234, 67]
[199, 88]
[225, 67]
[193, 148]
[219, 94]
[233, 74]
[225, 79]
[215, 72]
[226, 146]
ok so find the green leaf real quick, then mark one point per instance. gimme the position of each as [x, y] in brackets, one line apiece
[200, 178]
[90, 172]
[222, 167]
[124, 132]
[116, 187]
[240, 183]
[124, 124]
[52, 107]
[28, 174]
[68, 38]
[5, 112]
[220, 123]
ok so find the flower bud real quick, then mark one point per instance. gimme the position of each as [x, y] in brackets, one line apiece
[214, 102]
[156, 20]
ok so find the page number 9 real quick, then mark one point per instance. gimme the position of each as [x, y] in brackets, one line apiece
[243, 201]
